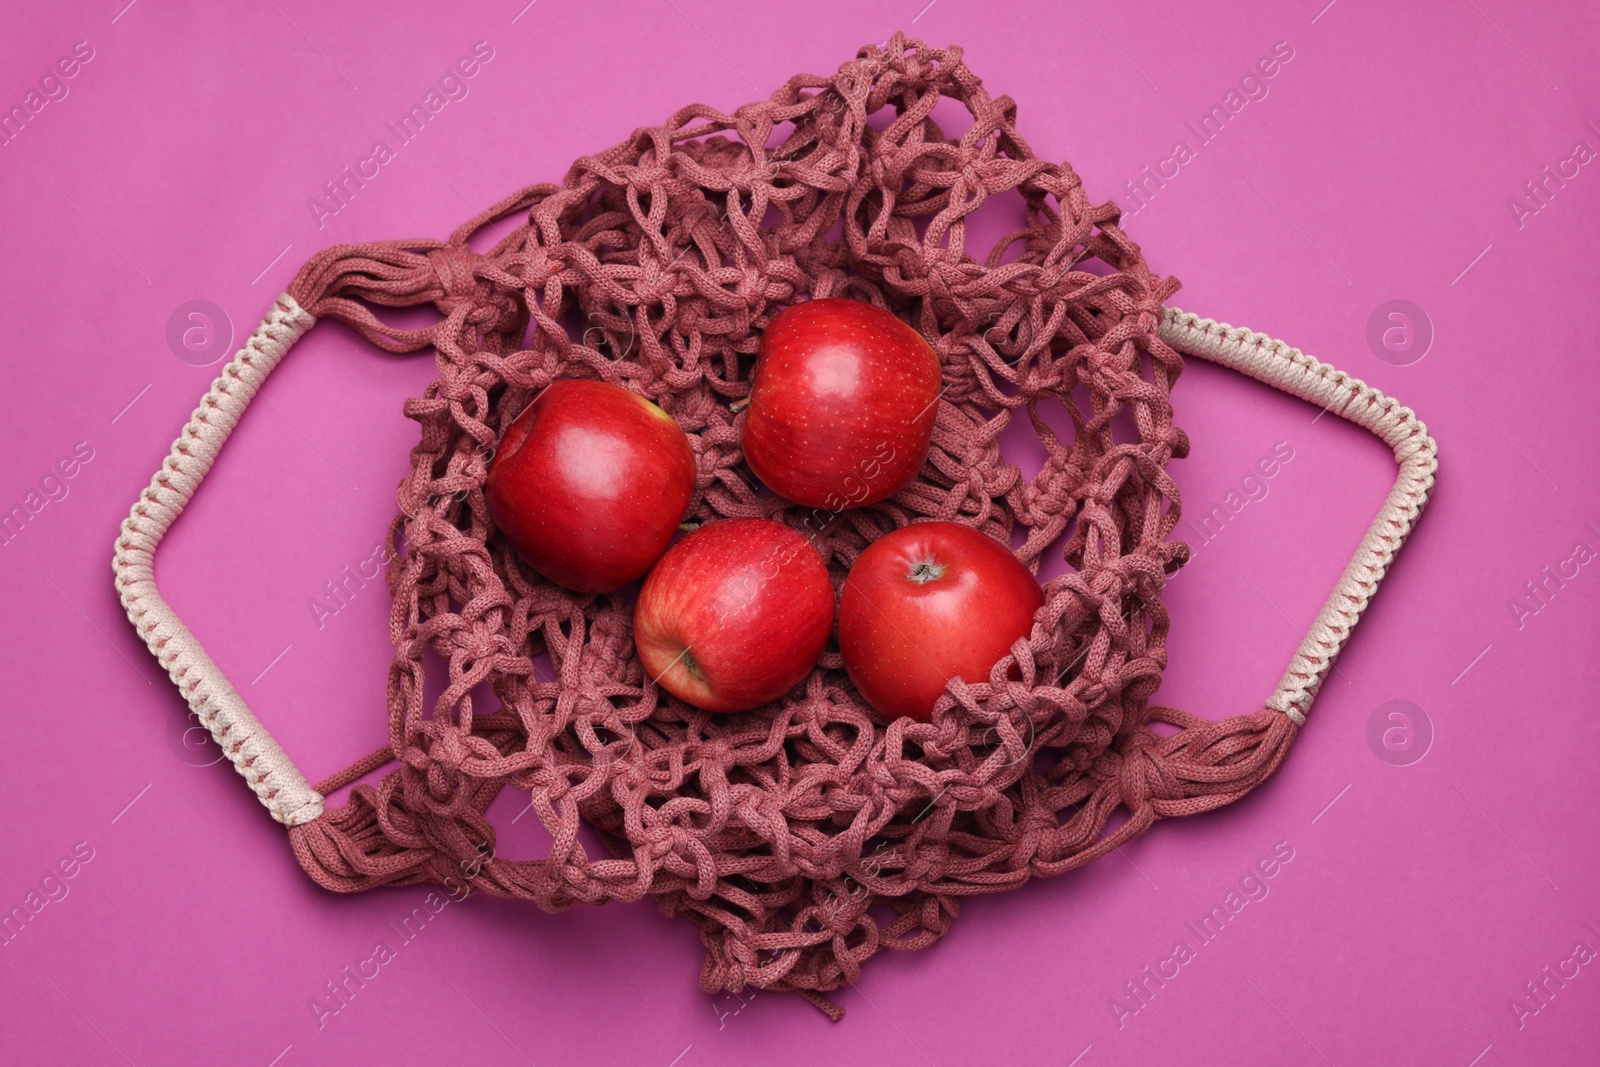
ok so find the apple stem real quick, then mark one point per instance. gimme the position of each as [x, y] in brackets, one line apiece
[691, 666]
[926, 571]
[688, 527]
[739, 405]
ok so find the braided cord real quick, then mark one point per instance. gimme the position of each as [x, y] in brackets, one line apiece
[1291, 370]
[265, 767]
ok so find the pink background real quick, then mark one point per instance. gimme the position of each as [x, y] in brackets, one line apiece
[1419, 899]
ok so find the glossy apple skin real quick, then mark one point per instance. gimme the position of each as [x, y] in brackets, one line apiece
[904, 630]
[842, 406]
[734, 615]
[589, 484]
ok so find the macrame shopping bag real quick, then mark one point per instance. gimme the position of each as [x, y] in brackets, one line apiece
[805, 836]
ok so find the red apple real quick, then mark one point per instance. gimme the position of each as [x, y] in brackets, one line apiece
[589, 484]
[930, 602]
[734, 615]
[842, 406]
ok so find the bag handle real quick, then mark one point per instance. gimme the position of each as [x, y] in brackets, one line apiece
[263, 764]
[291, 800]
[1291, 370]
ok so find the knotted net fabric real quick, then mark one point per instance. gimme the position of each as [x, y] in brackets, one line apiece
[807, 835]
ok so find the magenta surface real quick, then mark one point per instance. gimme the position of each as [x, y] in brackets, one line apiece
[1435, 887]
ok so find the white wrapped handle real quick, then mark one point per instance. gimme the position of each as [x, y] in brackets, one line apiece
[1291, 370]
[254, 754]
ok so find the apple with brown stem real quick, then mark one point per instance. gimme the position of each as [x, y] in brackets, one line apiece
[927, 603]
[735, 614]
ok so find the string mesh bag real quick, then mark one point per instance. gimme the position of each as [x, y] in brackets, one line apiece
[808, 835]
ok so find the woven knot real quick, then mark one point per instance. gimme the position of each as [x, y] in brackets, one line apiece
[715, 750]
[538, 267]
[492, 308]
[1178, 441]
[927, 863]
[453, 266]
[1037, 820]
[1144, 775]
[449, 750]
[976, 174]
[944, 276]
